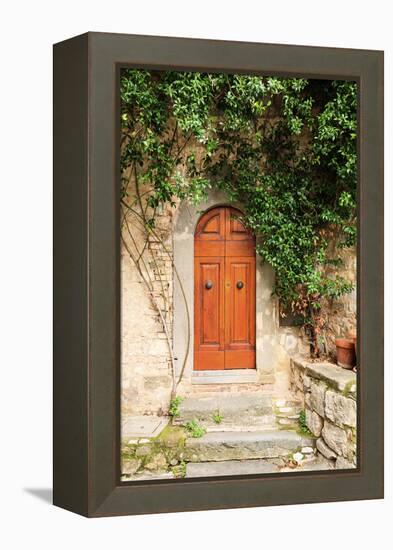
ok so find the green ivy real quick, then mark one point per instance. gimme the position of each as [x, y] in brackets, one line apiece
[284, 148]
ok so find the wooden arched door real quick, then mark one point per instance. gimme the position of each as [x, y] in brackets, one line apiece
[224, 297]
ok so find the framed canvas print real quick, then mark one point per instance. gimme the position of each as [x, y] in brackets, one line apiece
[218, 274]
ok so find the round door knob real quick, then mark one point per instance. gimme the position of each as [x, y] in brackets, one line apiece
[208, 285]
[240, 284]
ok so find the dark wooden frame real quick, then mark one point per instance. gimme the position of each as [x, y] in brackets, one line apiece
[86, 274]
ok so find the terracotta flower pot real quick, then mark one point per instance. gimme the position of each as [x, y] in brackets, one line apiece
[345, 352]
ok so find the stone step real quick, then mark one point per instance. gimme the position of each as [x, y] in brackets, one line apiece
[230, 376]
[287, 407]
[256, 466]
[243, 423]
[288, 412]
[219, 446]
[230, 407]
[231, 468]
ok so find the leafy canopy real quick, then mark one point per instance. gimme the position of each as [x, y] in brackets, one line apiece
[284, 148]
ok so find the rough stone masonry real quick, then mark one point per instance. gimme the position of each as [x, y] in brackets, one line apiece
[329, 396]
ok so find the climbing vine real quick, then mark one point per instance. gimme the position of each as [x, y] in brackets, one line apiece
[284, 148]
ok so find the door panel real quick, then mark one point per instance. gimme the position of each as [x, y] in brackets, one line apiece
[209, 248]
[239, 322]
[240, 303]
[239, 248]
[224, 307]
[209, 360]
[234, 228]
[209, 311]
[210, 276]
[211, 227]
[240, 359]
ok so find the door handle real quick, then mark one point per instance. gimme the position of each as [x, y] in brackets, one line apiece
[240, 285]
[209, 285]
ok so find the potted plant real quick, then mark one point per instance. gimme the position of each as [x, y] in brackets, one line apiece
[345, 348]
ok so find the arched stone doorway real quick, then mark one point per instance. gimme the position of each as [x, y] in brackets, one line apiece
[272, 342]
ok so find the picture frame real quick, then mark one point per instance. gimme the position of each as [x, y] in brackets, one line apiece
[86, 387]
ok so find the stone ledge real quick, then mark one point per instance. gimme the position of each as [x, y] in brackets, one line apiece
[338, 378]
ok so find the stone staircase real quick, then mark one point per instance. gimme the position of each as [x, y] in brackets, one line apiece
[243, 430]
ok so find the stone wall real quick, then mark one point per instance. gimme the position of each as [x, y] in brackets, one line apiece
[328, 393]
[146, 374]
[341, 313]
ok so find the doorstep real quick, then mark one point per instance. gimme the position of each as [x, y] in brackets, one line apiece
[230, 376]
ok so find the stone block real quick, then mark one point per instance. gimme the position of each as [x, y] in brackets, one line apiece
[143, 450]
[306, 382]
[286, 410]
[307, 450]
[314, 422]
[317, 397]
[130, 466]
[298, 378]
[340, 409]
[344, 464]
[336, 438]
[325, 450]
[157, 463]
[336, 377]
